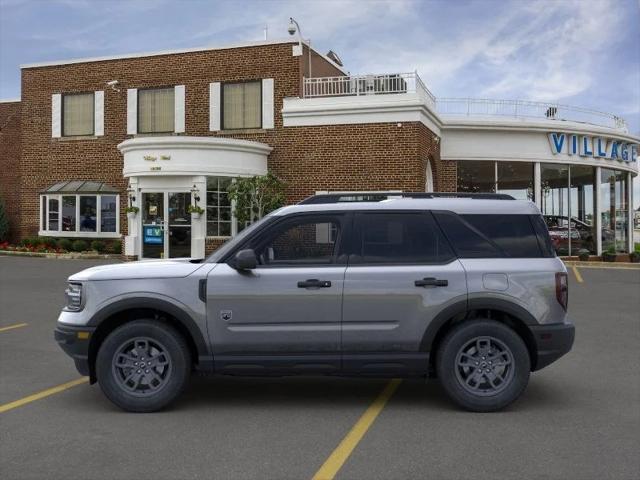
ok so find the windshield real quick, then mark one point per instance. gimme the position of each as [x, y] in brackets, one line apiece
[233, 242]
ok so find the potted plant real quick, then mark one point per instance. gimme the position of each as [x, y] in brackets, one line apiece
[583, 255]
[635, 255]
[131, 212]
[195, 211]
[609, 255]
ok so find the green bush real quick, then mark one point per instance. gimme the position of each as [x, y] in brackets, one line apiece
[65, 244]
[116, 247]
[98, 245]
[4, 222]
[79, 246]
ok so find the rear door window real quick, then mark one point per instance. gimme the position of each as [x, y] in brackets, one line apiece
[467, 240]
[399, 238]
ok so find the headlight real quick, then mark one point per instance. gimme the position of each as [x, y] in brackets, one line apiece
[73, 294]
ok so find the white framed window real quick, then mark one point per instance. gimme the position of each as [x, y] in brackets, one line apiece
[156, 110]
[241, 105]
[77, 114]
[80, 215]
[220, 219]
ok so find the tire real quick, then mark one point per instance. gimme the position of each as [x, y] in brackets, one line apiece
[143, 365]
[483, 365]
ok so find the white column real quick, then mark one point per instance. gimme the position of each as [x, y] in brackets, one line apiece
[199, 226]
[537, 184]
[132, 241]
[630, 212]
[598, 219]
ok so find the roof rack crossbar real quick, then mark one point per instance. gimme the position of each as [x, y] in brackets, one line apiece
[345, 197]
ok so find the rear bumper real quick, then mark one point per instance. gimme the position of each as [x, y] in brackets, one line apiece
[552, 342]
[75, 343]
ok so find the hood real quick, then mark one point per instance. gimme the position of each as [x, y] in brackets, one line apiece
[176, 268]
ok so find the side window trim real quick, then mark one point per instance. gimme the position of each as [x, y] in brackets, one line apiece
[267, 235]
[356, 235]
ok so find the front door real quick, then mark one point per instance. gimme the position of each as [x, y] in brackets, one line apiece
[286, 313]
[401, 274]
[166, 225]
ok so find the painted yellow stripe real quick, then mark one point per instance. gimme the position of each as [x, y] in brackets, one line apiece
[43, 394]
[577, 274]
[334, 463]
[11, 327]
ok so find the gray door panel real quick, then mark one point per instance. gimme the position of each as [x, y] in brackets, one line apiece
[383, 310]
[264, 312]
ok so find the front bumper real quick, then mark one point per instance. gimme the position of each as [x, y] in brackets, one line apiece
[75, 343]
[552, 342]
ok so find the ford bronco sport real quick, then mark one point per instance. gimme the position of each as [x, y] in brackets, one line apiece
[465, 288]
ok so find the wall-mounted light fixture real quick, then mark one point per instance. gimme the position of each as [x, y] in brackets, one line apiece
[194, 192]
[132, 197]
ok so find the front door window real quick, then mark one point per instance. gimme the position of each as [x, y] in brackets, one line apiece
[153, 225]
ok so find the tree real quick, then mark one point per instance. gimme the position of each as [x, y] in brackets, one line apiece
[255, 197]
[4, 222]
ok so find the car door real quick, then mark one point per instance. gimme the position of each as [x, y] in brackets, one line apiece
[286, 313]
[402, 273]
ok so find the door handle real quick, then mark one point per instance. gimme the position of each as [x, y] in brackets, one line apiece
[314, 283]
[431, 282]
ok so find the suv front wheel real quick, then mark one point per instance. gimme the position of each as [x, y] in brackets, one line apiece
[143, 365]
[483, 365]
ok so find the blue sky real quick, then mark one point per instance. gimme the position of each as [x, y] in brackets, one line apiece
[579, 52]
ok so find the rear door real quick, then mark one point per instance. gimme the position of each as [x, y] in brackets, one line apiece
[401, 274]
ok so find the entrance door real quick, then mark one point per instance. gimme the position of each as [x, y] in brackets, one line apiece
[166, 225]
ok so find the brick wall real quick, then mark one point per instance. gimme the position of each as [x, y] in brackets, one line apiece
[10, 162]
[340, 157]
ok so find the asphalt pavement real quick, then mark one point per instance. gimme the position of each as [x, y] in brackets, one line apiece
[578, 419]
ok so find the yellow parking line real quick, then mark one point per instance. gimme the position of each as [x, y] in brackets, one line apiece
[44, 393]
[11, 327]
[577, 274]
[334, 463]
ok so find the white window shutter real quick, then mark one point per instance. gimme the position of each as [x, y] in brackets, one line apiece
[132, 111]
[56, 115]
[179, 108]
[267, 103]
[214, 106]
[98, 113]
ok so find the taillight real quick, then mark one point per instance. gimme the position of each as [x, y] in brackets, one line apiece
[562, 289]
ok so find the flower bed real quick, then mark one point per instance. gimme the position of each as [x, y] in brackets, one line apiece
[47, 245]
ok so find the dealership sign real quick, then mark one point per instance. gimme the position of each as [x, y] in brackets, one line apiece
[588, 146]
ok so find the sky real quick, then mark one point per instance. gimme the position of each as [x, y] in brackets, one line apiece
[577, 52]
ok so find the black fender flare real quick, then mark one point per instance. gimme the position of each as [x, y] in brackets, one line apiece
[465, 306]
[175, 311]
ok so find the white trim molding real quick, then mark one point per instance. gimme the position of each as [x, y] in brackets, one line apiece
[179, 109]
[98, 112]
[186, 155]
[267, 103]
[214, 106]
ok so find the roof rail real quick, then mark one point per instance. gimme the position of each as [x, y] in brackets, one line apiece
[380, 196]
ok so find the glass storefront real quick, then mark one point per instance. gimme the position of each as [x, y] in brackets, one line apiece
[568, 200]
[614, 210]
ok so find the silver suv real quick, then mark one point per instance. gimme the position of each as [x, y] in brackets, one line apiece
[464, 288]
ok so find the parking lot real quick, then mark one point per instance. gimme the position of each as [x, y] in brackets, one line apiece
[579, 418]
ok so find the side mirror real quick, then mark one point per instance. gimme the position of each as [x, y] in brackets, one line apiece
[245, 260]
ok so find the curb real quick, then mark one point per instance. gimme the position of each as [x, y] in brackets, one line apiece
[63, 256]
[611, 265]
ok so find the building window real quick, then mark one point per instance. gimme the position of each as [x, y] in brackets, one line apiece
[156, 110]
[476, 176]
[614, 209]
[242, 105]
[516, 179]
[78, 114]
[219, 211]
[75, 215]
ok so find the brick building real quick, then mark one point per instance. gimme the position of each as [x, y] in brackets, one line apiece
[163, 130]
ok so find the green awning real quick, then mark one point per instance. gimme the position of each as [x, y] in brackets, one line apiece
[80, 186]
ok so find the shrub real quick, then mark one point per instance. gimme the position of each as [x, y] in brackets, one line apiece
[116, 246]
[65, 244]
[4, 222]
[79, 246]
[583, 254]
[98, 245]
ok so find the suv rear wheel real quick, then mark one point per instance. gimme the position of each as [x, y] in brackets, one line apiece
[483, 365]
[143, 365]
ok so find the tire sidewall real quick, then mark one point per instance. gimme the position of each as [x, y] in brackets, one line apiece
[446, 364]
[177, 350]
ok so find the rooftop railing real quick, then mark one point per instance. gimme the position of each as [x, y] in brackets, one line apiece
[399, 83]
[527, 109]
[358, 85]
